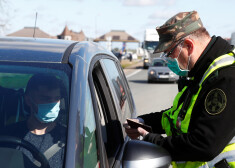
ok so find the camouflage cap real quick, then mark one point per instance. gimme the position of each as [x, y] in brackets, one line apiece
[177, 27]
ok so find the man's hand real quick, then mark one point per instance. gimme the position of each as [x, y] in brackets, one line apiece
[142, 131]
[134, 133]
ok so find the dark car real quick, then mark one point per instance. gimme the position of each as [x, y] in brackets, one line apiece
[95, 101]
[159, 72]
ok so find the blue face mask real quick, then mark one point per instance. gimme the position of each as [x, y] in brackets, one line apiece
[173, 64]
[48, 112]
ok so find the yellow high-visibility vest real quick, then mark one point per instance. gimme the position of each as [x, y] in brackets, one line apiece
[173, 122]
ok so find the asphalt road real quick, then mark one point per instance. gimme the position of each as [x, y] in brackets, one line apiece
[152, 97]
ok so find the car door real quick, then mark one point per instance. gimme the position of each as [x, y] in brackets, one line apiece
[112, 103]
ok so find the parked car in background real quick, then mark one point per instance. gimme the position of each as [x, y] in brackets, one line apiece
[159, 72]
[96, 100]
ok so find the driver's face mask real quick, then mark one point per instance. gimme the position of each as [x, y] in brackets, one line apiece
[47, 112]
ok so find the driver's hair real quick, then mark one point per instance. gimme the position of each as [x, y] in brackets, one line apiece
[48, 81]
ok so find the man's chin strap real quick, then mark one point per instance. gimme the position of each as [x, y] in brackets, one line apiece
[189, 58]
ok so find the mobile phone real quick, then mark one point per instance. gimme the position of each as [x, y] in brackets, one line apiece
[135, 125]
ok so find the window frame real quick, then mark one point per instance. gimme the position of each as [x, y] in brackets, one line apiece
[100, 144]
[126, 89]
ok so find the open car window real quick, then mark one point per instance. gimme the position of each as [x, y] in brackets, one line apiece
[111, 128]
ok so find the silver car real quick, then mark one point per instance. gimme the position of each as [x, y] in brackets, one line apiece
[95, 101]
[159, 71]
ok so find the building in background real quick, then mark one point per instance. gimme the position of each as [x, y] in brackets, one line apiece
[37, 33]
[116, 36]
[71, 35]
[31, 32]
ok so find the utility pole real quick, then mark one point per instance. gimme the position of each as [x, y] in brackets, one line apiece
[35, 25]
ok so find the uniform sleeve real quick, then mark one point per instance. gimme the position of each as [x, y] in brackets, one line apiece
[154, 120]
[211, 126]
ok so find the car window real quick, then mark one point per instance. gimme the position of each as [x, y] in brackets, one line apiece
[159, 63]
[110, 125]
[151, 45]
[90, 147]
[119, 88]
[15, 110]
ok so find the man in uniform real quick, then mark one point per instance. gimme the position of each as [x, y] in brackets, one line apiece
[200, 125]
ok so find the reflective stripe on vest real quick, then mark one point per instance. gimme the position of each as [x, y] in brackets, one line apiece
[171, 117]
[221, 61]
[228, 153]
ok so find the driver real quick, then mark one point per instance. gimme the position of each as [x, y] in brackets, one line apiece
[42, 106]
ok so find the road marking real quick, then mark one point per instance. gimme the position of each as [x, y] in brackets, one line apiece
[128, 76]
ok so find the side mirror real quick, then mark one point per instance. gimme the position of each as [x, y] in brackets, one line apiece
[139, 154]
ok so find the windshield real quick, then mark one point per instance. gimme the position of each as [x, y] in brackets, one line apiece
[159, 63]
[34, 100]
[151, 45]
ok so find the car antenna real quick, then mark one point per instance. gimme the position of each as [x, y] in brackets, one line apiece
[35, 25]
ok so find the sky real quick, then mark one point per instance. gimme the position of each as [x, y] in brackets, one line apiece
[97, 17]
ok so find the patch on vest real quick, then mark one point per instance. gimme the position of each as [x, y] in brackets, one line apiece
[215, 101]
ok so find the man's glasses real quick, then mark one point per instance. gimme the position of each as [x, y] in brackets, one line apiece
[165, 55]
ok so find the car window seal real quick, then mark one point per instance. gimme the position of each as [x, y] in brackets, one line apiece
[65, 58]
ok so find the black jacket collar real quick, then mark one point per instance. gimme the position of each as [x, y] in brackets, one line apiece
[215, 48]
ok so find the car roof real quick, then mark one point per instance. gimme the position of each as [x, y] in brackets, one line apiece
[33, 49]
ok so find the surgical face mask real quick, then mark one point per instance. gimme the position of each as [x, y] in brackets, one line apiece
[174, 66]
[173, 63]
[47, 112]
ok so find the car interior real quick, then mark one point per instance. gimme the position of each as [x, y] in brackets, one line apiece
[13, 82]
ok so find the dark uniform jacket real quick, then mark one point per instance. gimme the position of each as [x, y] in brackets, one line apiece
[208, 132]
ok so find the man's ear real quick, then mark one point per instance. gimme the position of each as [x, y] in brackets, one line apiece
[189, 45]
